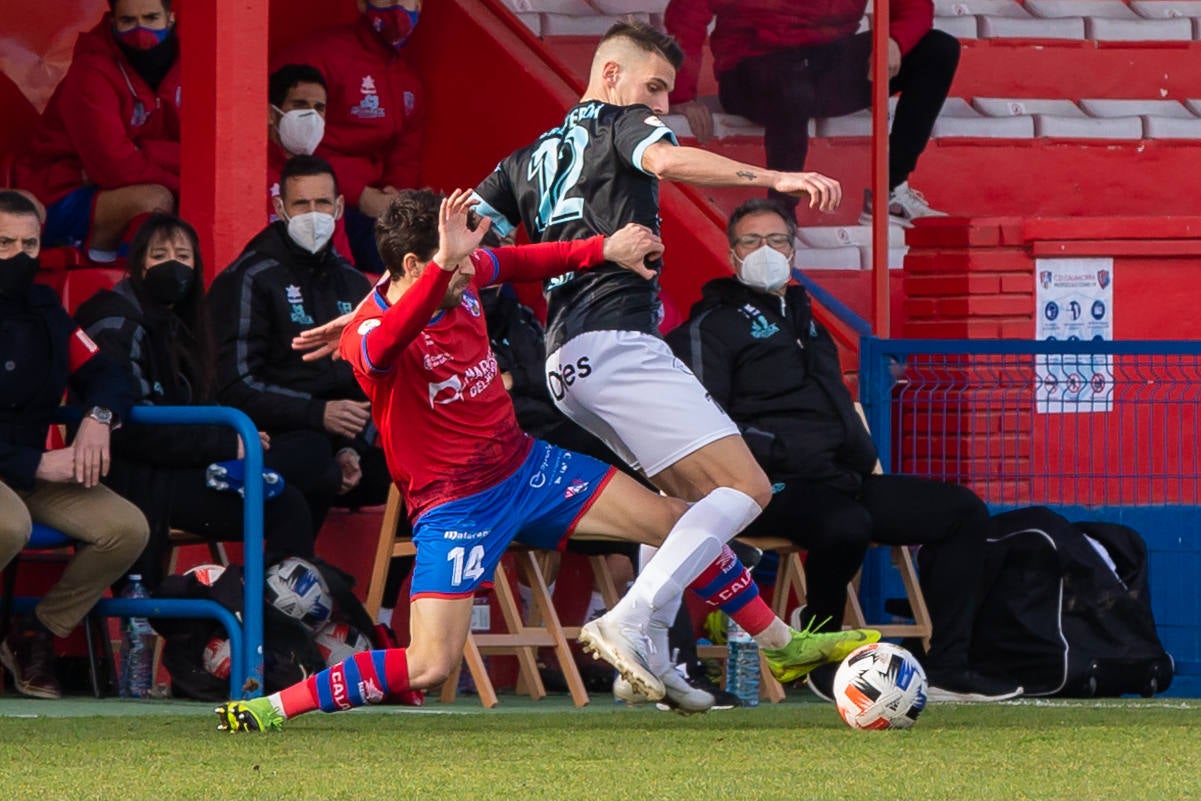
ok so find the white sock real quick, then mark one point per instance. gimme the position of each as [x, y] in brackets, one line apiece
[277, 704]
[102, 256]
[776, 635]
[384, 616]
[691, 546]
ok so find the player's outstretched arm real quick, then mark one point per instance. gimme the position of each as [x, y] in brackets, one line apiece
[692, 165]
[631, 246]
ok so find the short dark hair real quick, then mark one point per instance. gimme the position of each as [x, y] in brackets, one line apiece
[646, 38]
[15, 203]
[302, 167]
[756, 206]
[287, 77]
[112, 5]
[408, 225]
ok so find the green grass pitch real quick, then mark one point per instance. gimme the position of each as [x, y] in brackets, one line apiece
[796, 751]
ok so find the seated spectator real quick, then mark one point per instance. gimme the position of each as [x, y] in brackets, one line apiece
[107, 148]
[154, 321]
[782, 64]
[754, 343]
[374, 121]
[288, 279]
[41, 351]
[297, 98]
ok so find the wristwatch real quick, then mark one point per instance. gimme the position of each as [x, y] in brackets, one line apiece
[101, 415]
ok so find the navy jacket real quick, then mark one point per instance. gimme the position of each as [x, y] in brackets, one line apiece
[41, 351]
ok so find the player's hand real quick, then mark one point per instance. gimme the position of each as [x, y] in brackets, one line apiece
[57, 466]
[352, 469]
[894, 60]
[323, 340]
[824, 193]
[700, 119]
[456, 240]
[91, 452]
[346, 418]
[630, 247]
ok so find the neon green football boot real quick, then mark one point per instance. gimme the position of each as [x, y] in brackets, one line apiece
[257, 714]
[807, 649]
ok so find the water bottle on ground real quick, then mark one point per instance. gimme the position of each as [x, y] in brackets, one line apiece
[137, 647]
[742, 665]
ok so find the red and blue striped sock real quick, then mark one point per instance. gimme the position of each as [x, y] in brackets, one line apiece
[368, 677]
[728, 586]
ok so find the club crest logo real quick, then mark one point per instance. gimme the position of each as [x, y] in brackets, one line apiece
[471, 304]
[368, 107]
[1103, 278]
[1044, 278]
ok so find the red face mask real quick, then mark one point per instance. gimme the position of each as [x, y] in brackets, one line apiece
[140, 38]
[393, 25]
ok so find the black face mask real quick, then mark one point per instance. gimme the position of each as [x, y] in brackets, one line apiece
[169, 282]
[155, 62]
[16, 275]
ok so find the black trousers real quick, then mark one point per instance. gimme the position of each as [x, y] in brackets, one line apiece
[306, 461]
[783, 90]
[950, 522]
[287, 527]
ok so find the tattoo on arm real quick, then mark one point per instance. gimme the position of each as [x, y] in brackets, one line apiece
[747, 174]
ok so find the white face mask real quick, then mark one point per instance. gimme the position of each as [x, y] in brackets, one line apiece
[765, 269]
[300, 131]
[311, 230]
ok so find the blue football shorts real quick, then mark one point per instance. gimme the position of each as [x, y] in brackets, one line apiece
[459, 543]
[69, 219]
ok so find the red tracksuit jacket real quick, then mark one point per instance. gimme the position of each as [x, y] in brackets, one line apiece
[374, 118]
[104, 125]
[747, 28]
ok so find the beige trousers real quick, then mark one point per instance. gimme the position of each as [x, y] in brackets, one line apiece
[110, 530]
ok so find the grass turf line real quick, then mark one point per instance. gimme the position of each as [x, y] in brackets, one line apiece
[795, 752]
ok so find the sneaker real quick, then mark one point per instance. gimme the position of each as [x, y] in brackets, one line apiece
[807, 649]
[681, 694]
[968, 686]
[721, 698]
[820, 681]
[257, 714]
[905, 205]
[29, 656]
[627, 648]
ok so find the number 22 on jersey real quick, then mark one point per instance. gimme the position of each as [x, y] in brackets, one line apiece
[556, 166]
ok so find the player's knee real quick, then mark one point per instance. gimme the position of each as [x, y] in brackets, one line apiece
[758, 486]
[155, 199]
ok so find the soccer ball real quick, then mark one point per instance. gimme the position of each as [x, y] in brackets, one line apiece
[338, 642]
[296, 588]
[216, 657]
[880, 686]
[206, 574]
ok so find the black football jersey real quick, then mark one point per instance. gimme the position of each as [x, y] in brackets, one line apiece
[581, 179]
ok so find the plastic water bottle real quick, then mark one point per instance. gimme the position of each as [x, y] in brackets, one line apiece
[742, 665]
[137, 647]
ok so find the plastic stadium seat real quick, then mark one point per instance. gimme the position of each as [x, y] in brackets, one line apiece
[1166, 9]
[1050, 9]
[1194, 106]
[82, 284]
[1057, 127]
[572, 8]
[837, 236]
[970, 8]
[1105, 29]
[959, 27]
[619, 8]
[844, 258]
[1012, 107]
[857, 124]
[1029, 28]
[1131, 108]
[1171, 127]
[958, 118]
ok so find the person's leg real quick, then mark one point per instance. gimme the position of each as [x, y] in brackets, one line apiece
[113, 533]
[306, 461]
[833, 528]
[923, 82]
[113, 209]
[15, 526]
[776, 91]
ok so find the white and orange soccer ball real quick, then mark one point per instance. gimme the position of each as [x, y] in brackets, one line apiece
[206, 574]
[338, 642]
[216, 657]
[880, 686]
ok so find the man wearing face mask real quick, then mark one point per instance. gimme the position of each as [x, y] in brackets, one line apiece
[106, 151]
[289, 278]
[754, 343]
[41, 352]
[375, 119]
[297, 100]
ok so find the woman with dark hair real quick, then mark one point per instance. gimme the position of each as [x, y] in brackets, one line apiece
[154, 321]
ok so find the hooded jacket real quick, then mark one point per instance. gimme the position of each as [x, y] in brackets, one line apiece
[104, 125]
[375, 116]
[41, 351]
[748, 28]
[272, 292]
[775, 370]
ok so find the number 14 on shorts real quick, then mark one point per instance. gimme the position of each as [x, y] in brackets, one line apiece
[470, 568]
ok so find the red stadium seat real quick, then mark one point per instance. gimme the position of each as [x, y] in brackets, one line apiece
[82, 284]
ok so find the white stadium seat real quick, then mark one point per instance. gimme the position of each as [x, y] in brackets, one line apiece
[958, 118]
[1132, 108]
[1017, 106]
[959, 27]
[837, 236]
[1030, 28]
[1056, 127]
[975, 8]
[1166, 9]
[1171, 127]
[1105, 29]
[619, 8]
[1051, 9]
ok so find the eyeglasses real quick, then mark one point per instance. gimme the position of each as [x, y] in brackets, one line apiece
[781, 242]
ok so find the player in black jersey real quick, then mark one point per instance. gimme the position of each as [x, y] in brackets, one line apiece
[608, 369]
